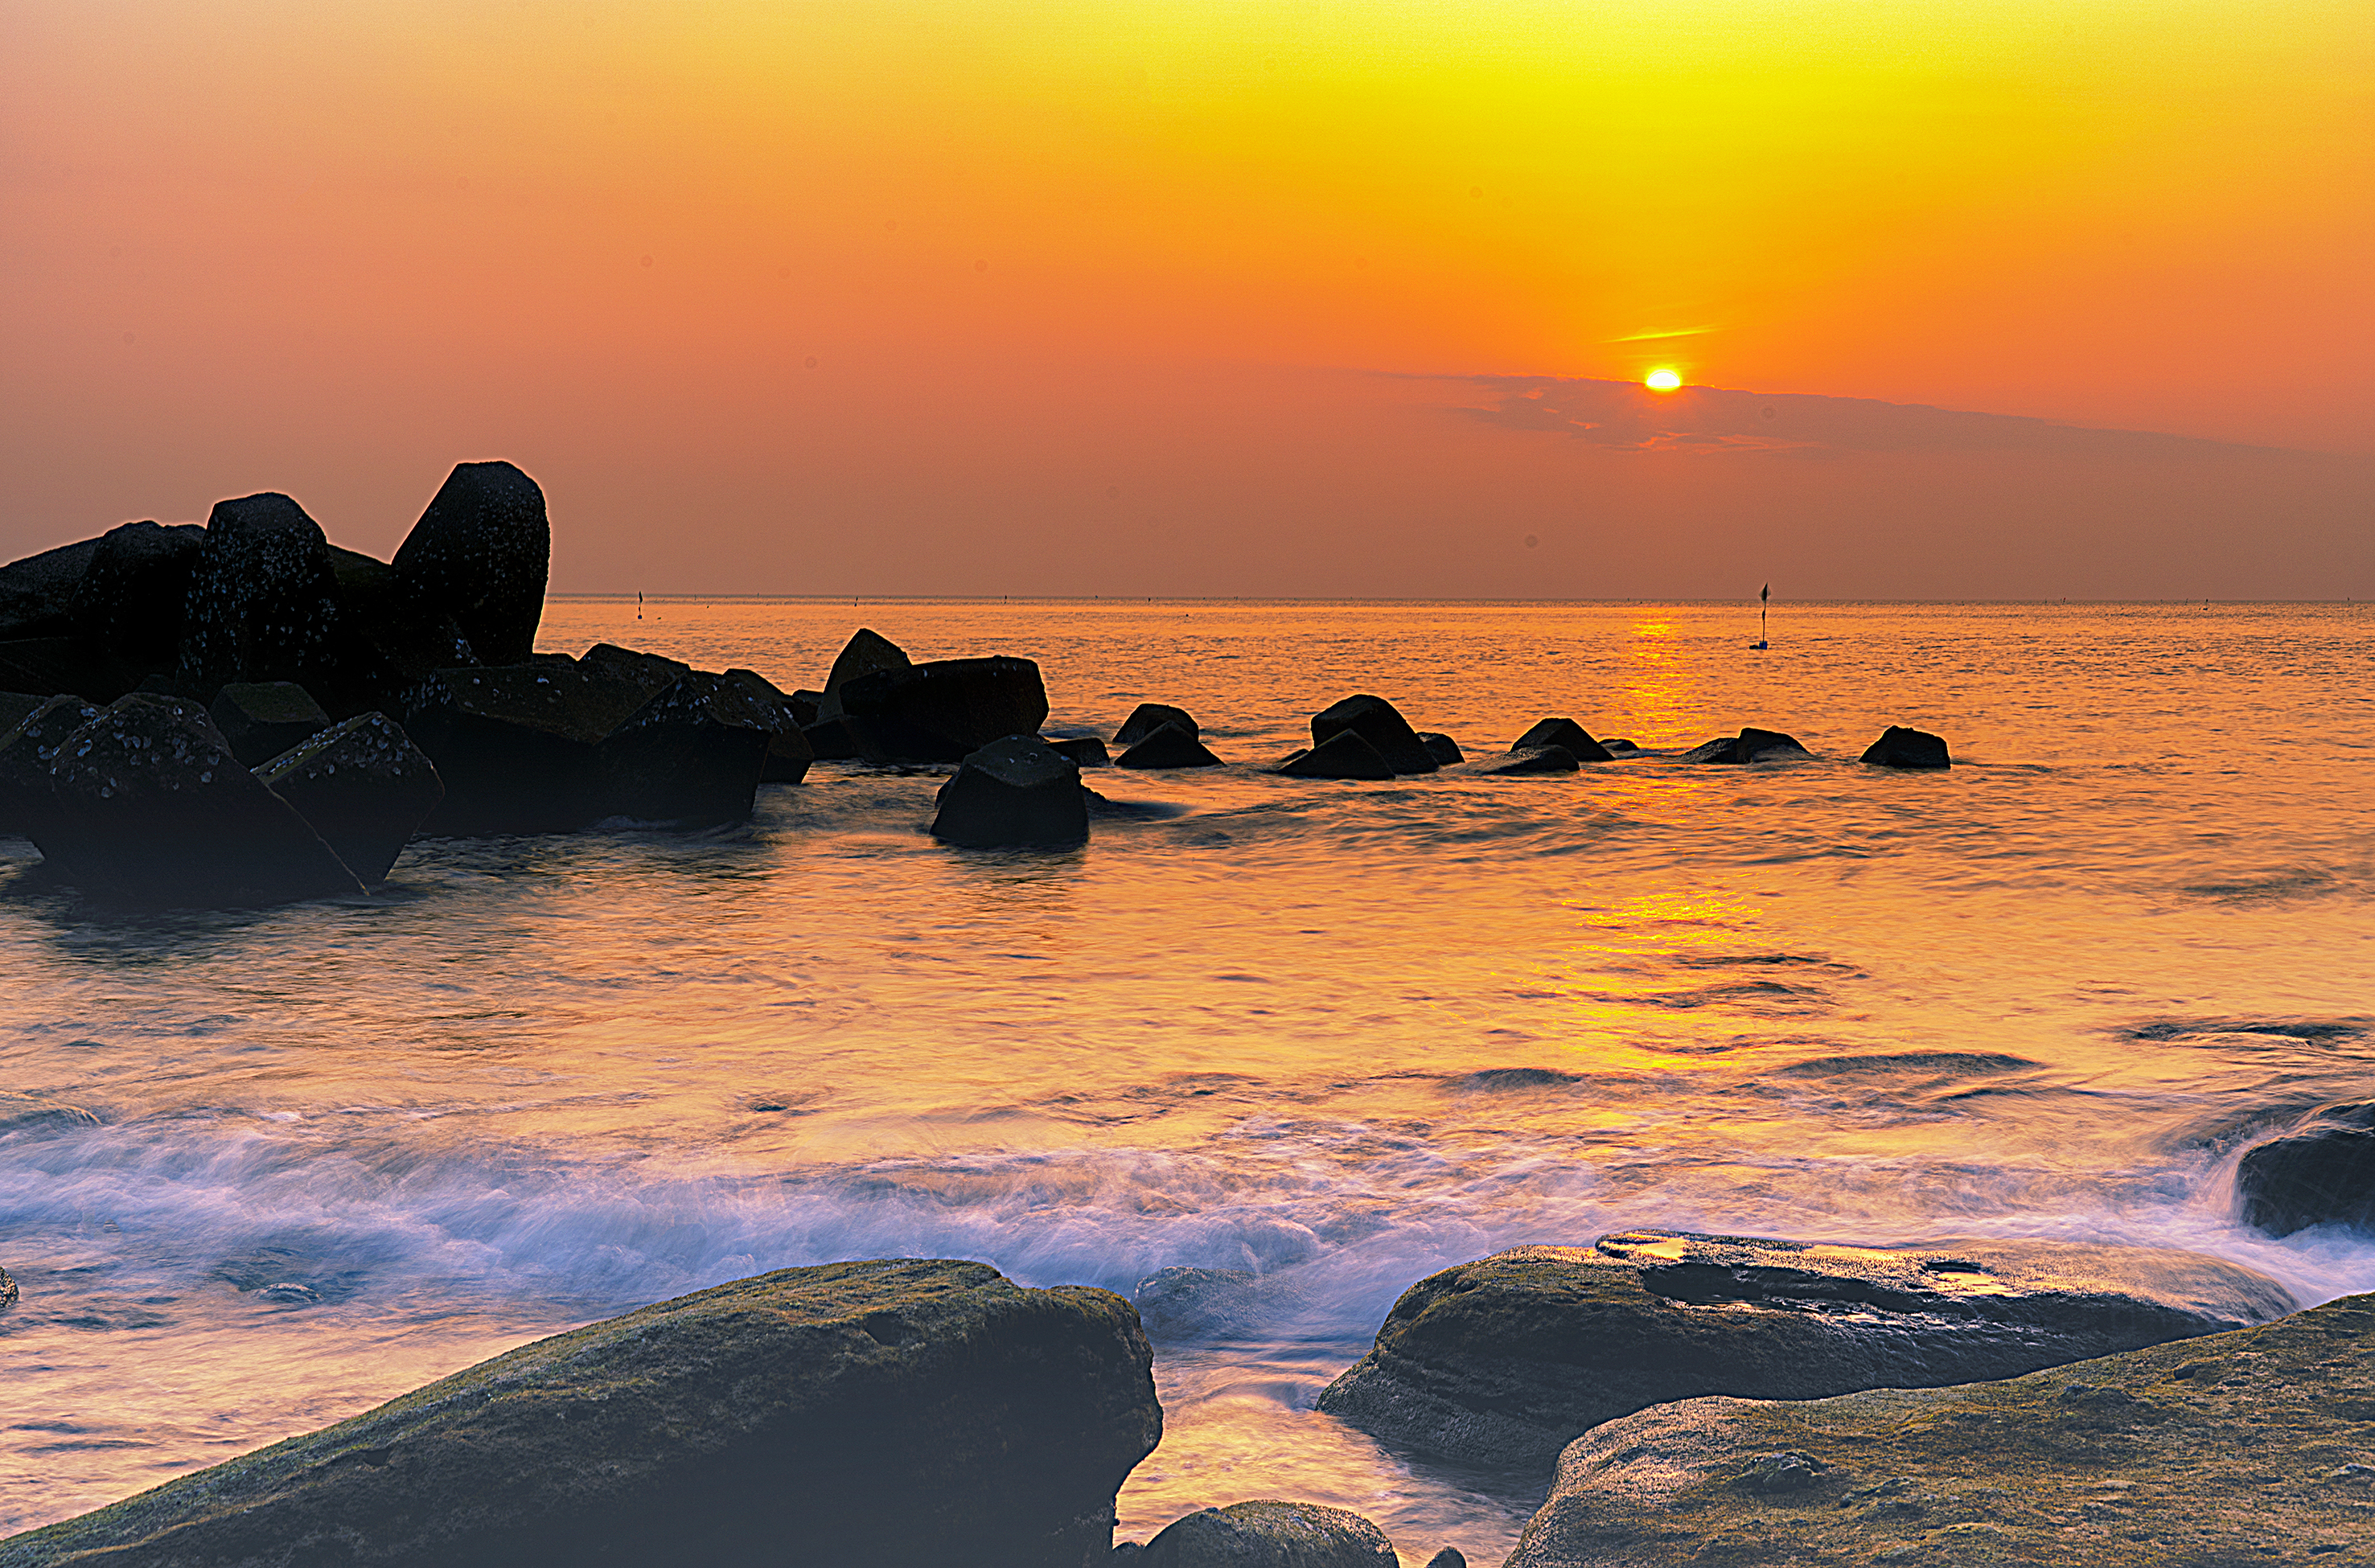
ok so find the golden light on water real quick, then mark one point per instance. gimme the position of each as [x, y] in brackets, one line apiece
[1663, 380]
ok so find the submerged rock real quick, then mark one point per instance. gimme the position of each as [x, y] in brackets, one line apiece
[363, 785]
[481, 554]
[262, 719]
[2322, 1173]
[945, 710]
[1169, 745]
[1377, 722]
[1148, 717]
[865, 652]
[691, 755]
[1085, 750]
[1442, 747]
[1900, 747]
[899, 1414]
[1502, 1361]
[263, 601]
[1183, 1303]
[2245, 1447]
[1568, 733]
[1619, 746]
[1343, 755]
[1531, 760]
[1015, 791]
[1748, 746]
[133, 595]
[147, 802]
[1269, 1533]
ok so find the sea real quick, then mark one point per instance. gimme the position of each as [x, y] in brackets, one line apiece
[263, 1169]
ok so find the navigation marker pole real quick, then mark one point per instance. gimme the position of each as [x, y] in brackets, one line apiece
[1764, 608]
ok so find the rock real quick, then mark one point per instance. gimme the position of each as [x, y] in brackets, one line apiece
[1167, 746]
[37, 592]
[1015, 791]
[2243, 1448]
[1450, 1557]
[133, 595]
[1442, 747]
[263, 603]
[693, 756]
[788, 751]
[1900, 747]
[1148, 717]
[1534, 759]
[1343, 755]
[945, 710]
[481, 554]
[1182, 1303]
[1377, 722]
[1085, 750]
[829, 740]
[865, 652]
[1620, 745]
[1502, 1361]
[389, 640]
[649, 673]
[15, 707]
[147, 802]
[363, 786]
[1268, 1532]
[1570, 734]
[514, 744]
[262, 719]
[68, 666]
[2322, 1173]
[1748, 746]
[897, 1414]
[26, 748]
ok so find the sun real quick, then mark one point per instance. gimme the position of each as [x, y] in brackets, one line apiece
[1663, 380]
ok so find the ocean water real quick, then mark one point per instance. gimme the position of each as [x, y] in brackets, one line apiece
[261, 1170]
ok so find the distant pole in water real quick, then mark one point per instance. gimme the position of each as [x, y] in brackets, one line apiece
[639, 603]
[1764, 608]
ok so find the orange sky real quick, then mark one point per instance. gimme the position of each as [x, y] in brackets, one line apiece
[1087, 287]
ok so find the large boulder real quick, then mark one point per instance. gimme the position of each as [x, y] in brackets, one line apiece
[1086, 750]
[262, 719]
[37, 592]
[514, 744]
[1748, 746]
[942, 711]
[1169, 745]
[135, 592]
[2251, 1447]
[2322, 1173]
[1015, 791]
[481, 554]
[899, 1414]
[866, 653]
[649, 673]
[1900, 747]
[69, 667]
[1268, 1532]
[262, 599]
[1377, 722]
[26, 748]
[1442, 747]
[788, 751]
[389, 638]
[1181, 1303]
[1568, 733]
[1343, 755]
[1148, 717]
[363, 785]
[147, 802]
[693, 756]
[1502, 1361]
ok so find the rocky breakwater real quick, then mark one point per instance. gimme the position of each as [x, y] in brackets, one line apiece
[1504, 1361]
[2256, 1446]
[885, 1413]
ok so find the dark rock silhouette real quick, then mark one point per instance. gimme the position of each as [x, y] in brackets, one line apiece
[1377, 722]
[1269, 1533]
[1167, 746]
[15, 707]
[2323, 1173]
[1619, 746]
[691, 755]
[1442, 747]
[1748, 746]
[262, 719]
[1015, 791]
[514, 743]
[900, 1414]
[1148, 717]
[865, 652]
[147, 802]
[788, 751]
[829, 740]
[68, 666]
[37, 592]
[26, 748]
[133, 598]
[1900, 747]
[649, 673]
[1085, 750]
[1504, 1361]
[363, 785]
[389, 638]
[481, 554]
[944, 710]
[1567, 733]
[1532, 760]
[1343, 755]
[1450, 1557]
[263, 601]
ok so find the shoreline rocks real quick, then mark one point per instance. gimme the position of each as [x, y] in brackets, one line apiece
[1900, 747]
[944, 710]
[1502, 1361]
[1568, 733]
[1266, 1532]
[2245, 1447]
[1014, 792]
[1748, 746]
[363, 786]
[2321, 1172]
[1167, 746]
[1381, 724]
[894, 1412]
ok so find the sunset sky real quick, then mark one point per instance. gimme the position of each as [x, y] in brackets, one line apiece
[1216, 298]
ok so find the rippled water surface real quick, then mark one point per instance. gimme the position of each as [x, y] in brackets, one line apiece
[259, 1170]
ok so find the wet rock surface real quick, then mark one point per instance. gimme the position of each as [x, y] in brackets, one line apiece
[693, 756]
[480, 554]
[782, 716]
[894, 1413]
[514, 744]
[1167, 746]
[1266, 1533]
[1748, 746]
[1085, 750]
[363, 785]
[1442, 747]
[1380, 724]
[1568, 733]
[1900, 747]
[865, 652]
[1148, 717]
[944, 710]
[2323, 1173]
[1531, 760]
[1344, 755]
[1017, 791]
[2251, 1446]
[263, 719]
[1502, 1361]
